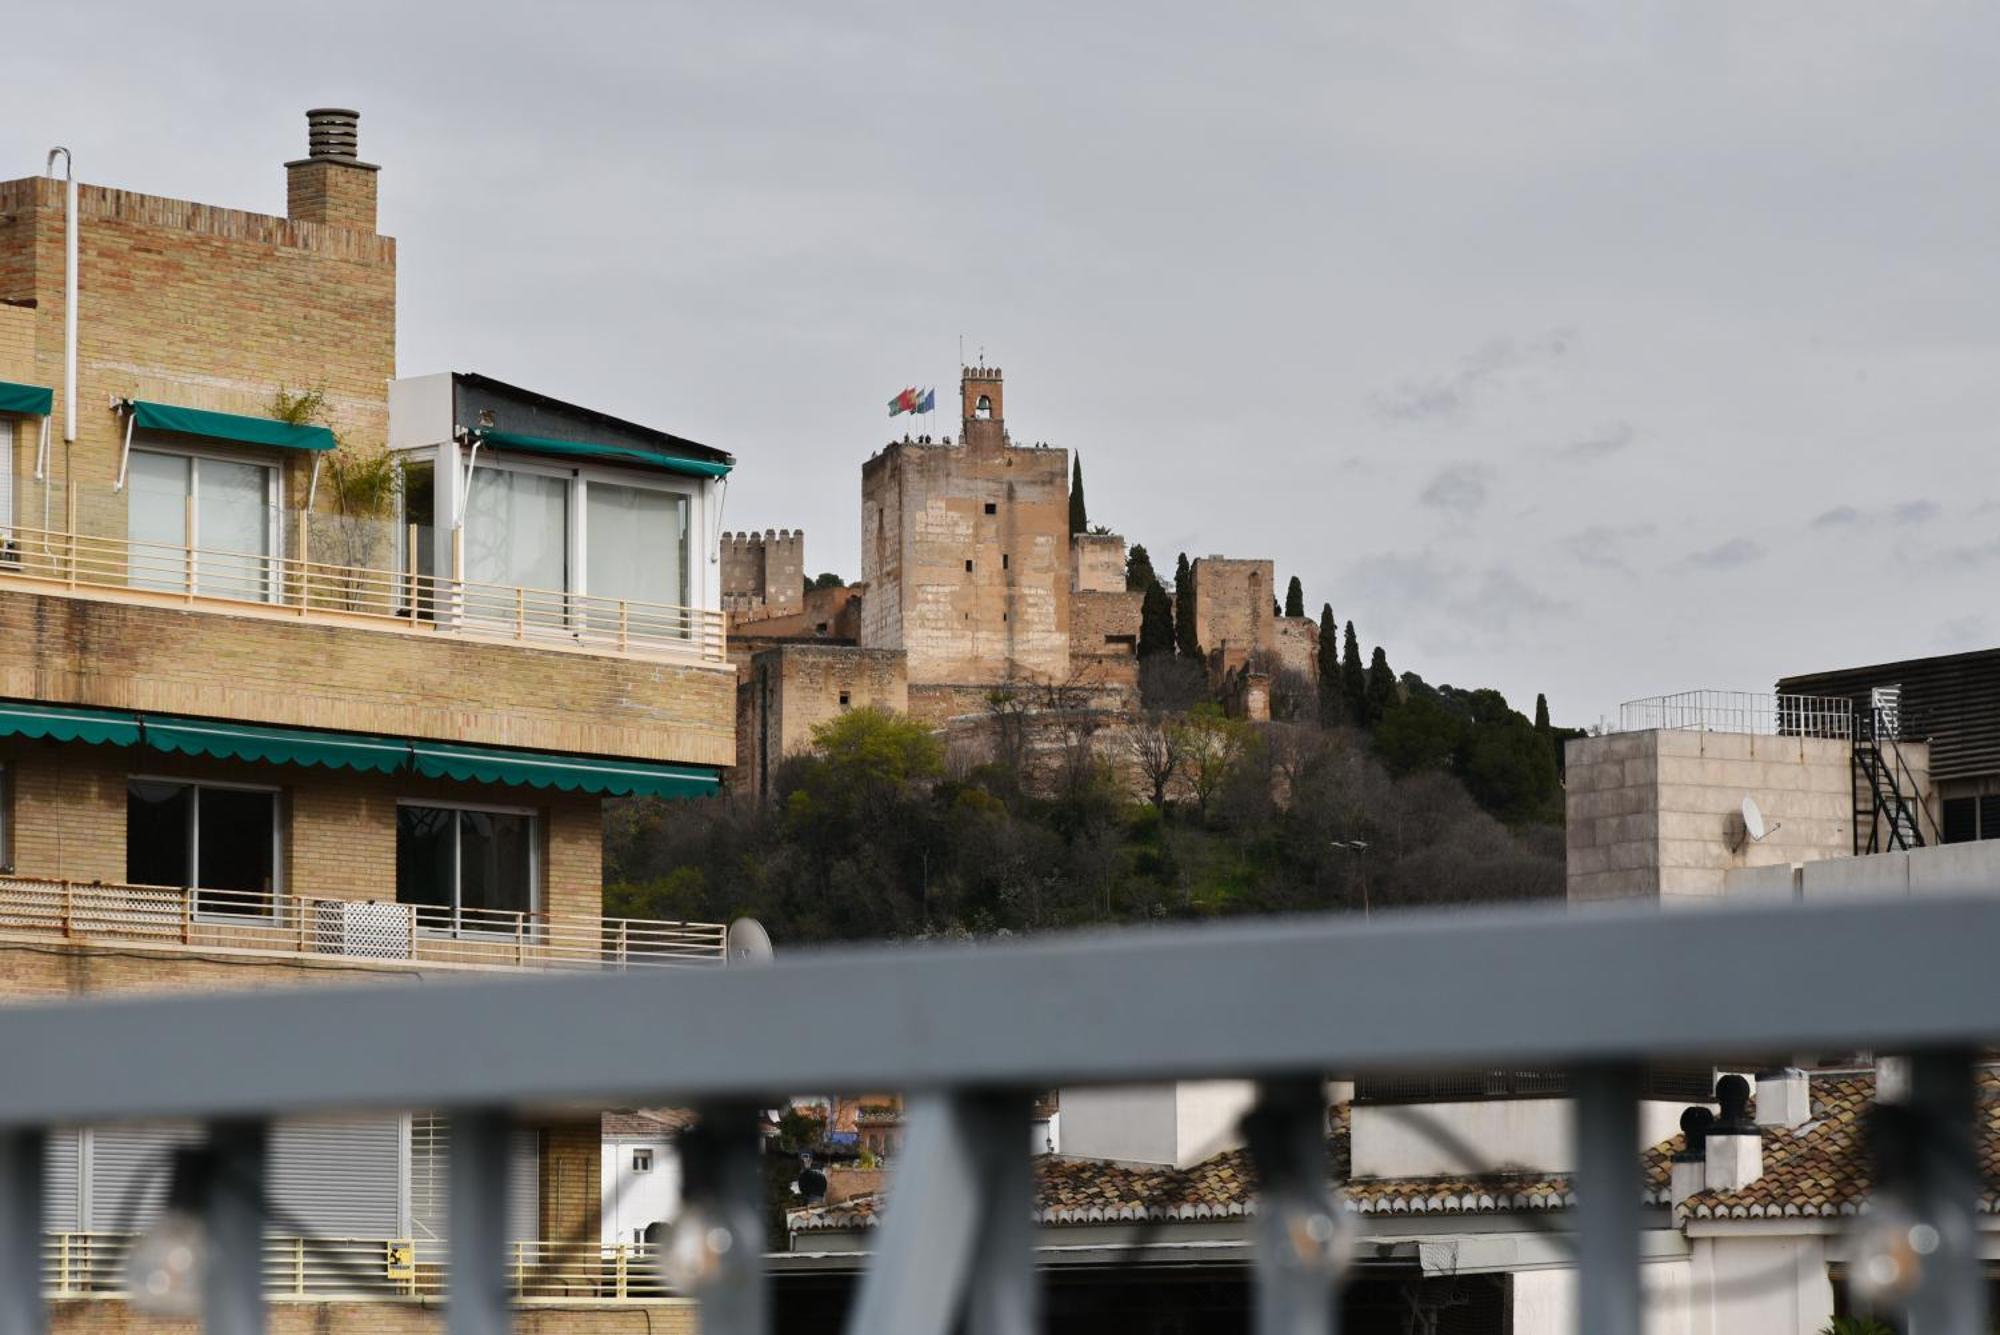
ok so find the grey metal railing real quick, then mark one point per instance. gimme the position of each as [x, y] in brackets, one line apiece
[971, 1031]
[1753, 712]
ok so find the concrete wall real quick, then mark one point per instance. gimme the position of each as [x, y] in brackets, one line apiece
[632, 1200]
[1544, 1302]
[1177, 1123]
[1397, 1140]
[1749, 1285]
[1656, 815]
[1938, 869]
[965, 551]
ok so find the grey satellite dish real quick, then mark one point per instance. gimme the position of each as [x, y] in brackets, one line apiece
[1753, 821]
[748, 942]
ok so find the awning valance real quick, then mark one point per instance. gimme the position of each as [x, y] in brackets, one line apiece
[28, 400]
[355, 751]
[536, 769]
[585, 449]
[66, 723]
[236, 427]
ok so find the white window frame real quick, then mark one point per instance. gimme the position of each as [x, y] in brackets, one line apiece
[278, 877]
[274, 536]
[642, 1159]
[702, 578]
[535, 896]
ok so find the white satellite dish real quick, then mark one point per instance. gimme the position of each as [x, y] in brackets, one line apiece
[1753, 821]
[748, 943]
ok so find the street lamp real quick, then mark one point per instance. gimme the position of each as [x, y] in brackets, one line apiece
[1358, 847]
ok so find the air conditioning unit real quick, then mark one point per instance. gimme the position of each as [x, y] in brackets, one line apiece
[361, 927]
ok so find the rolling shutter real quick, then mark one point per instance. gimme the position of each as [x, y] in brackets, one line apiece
[62, 1173]
[430, 1140]
[125, 1171]
[337, 1178]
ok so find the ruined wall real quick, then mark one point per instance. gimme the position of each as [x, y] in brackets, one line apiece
[789, 690]
[826, 614]
[1297, 646]
[965, 552]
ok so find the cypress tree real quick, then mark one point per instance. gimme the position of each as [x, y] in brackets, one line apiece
[1079, 518]
[1139, 569]
[1156, 621]
[1541, 713]
[1295, 598]
[1353, 678]
[1185, 638]
[1381, 686]
[1330, 712]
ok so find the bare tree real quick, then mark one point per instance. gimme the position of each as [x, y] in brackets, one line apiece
[1158, 750]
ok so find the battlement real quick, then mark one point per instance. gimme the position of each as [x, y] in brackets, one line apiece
[764, 571]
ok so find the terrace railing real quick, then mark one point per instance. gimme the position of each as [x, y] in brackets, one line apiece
[334, 569]
[165, 916]
[971, 1032]
[1741, 712]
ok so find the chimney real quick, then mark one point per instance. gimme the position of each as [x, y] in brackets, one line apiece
[1689, 1171]
[331, 185]
[1784, 1097]
[1735, 1145]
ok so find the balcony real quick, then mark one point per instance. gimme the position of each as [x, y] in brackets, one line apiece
[101, 913]
[320, 568]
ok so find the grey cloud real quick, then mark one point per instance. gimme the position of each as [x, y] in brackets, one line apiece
[1449, 395]
[1443, 604]
[1461, 489]
[1601, 546]
[1914, 512]
[1967, 632]
[1602, 443]
[1839, 516]
[1726, 556]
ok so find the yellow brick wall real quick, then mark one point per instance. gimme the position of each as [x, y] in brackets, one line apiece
[66, 821]
[407, 684]
[664, 1317]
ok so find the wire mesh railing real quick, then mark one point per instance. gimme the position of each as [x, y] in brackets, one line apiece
[357, 929]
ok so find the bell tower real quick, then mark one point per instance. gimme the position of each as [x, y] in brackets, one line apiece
[980, 391]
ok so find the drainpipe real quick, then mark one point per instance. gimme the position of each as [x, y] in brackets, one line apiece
[69, 292]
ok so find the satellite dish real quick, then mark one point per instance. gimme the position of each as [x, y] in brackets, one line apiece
[748, 942]
[1753, 821]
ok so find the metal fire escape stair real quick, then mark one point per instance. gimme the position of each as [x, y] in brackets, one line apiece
[1885, 815]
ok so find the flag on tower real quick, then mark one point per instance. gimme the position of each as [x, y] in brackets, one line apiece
[928, 403]
[906, 402]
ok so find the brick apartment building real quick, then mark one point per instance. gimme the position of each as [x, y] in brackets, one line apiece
[256, 732]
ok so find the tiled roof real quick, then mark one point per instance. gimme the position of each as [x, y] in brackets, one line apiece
[1089, 1191]
[659, 1122]
[1821, 1168]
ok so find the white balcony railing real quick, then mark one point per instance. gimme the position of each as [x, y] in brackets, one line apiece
[92, 1265]
[1751, 712]
[388, 592]
[102, 912]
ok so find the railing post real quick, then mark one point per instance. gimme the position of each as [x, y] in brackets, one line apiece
[298, 1267]
[1950, 1295]
[1608, 1187]
[233, 1287]
[618, 1272]
[724, 1172]
[1300, 1238]
[187, 540]
[22, 1309]
[1003, 1296]
[520, 613]
[476, 1285]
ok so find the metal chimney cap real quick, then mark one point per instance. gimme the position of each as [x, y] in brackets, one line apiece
[333, 132]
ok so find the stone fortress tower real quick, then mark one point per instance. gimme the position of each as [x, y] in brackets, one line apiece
[764, 573]
[965, 551]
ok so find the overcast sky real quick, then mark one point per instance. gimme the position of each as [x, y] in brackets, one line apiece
[1599, 349]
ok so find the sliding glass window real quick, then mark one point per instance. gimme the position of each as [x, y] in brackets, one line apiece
[201, 524]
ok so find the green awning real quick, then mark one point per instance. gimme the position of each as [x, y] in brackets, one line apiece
[355, 751]
[278, 746]
[228, 426]
[65, 723]
[614, 778]
[584, 449]
[30, 400]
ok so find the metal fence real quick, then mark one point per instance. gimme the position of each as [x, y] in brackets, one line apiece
[1741, 711]
[973, 1032]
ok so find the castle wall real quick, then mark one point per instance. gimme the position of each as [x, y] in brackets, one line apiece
[1232, 609]
[1097, 563]
[764, 572]
[965, 552]
[1297, 646]
[789, 690]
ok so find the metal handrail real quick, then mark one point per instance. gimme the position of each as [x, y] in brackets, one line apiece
[1752, 712]
[196, 576]
[375, 930]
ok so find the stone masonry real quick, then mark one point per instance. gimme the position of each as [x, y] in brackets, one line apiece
[763, 574]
